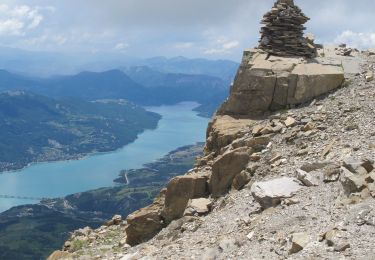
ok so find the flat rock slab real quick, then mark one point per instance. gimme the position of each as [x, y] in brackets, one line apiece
[351, 64]
[269, 83]
[270, 193]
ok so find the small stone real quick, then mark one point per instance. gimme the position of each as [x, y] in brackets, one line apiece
[369, 76]
[290, 122]
[116, 220]
[257, 130]
[298, 242]
[255, 157]
[308, 127]
[201, 206]
[241, 180]
[290, 201]
[352, 183]
[266, 130]
[328, 149]
[250, 235]
[370, 178]
[341, 247]
[331, 173]
[276, 158]
[329, 236]
[306, 178]
[303, 152]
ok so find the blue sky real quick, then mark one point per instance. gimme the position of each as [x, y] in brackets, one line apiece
[193, 28]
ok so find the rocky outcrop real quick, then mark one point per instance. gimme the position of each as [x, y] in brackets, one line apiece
[266, 83]
[179, 191]
[145, 223]
[223, 130]
[225, 168]
[282, 33]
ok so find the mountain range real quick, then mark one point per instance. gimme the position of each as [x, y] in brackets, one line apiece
[48, 64]
[141, 85]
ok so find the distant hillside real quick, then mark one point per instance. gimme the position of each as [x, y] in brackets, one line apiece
[37, 128]
[47, 64]
[10, 81]
[141, 85]
[172, 87]
[224, 69]
[113, 84]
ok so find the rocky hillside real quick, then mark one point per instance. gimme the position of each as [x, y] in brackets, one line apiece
[295, 183]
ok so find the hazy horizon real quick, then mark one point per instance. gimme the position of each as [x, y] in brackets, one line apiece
[137, 28]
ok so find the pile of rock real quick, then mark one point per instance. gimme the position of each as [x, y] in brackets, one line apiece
[357, 178]
[282, 34]
[343, 50]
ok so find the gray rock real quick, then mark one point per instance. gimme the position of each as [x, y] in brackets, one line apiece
[306, 178]
[224, 170]
[283, 38]
[270, 193]
[241, 180]
[298, 242]
[331, 173]
[179, 191]
[352, 183]
[201, 206]
[263, 84]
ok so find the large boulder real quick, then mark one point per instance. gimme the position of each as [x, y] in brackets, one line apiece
[265, 83]
[313, 79]
[225, 169]
[179, 191]
[143, 224]
[270, 193]
[223, 130]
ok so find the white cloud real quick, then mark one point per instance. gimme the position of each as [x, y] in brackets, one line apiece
[46, 39]
[16, 20]
[230, 45]
[224, 47]
[184, 45]
[11, 27]
[121, 46]
[357, 39]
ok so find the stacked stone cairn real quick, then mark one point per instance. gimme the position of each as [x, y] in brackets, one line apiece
[282, 34]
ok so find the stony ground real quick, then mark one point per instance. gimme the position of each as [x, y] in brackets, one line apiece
[334, 226]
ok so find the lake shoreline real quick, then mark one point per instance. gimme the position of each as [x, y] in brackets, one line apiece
[75, 157]
[179, 126]
[79, 156]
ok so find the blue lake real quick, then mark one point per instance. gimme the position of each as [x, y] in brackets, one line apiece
[179, 126]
